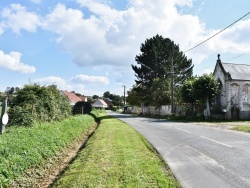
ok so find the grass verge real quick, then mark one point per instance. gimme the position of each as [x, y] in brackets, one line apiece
[242, 128]
[24, 148]
[117, 156]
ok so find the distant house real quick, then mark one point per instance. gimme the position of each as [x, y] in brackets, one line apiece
[99, 103]
[234, 96]
[83, 98]
[72, 97]
[109, 103]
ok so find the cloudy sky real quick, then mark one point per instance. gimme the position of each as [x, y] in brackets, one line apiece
[88, 46]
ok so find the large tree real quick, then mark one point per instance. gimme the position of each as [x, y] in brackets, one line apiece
[158, 60]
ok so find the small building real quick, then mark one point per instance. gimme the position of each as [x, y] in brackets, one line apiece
[99, 103]
[234, 96]
[72, 97]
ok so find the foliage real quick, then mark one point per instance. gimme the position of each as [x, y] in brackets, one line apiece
[205, 86]
[133, 98]
[187, 91]
[117, 156]
[95, 97]
[155, 68]
[106, 94]
[202, 89]
[36, 104]
[82, 107]
[26, 147]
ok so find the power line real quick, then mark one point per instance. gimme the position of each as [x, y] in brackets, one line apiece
[235, 57]
[217, 33]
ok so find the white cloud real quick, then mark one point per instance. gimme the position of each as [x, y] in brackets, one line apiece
[85, 79]
[16, 17]
[13, 62]
[113, 37]
[51, 80]
[233, 40]
[77, 83]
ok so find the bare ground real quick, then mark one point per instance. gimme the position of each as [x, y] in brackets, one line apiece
[46, 174]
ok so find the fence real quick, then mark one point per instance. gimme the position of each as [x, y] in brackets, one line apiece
[164, 110]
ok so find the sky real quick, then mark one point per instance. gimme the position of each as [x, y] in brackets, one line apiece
[88, 46]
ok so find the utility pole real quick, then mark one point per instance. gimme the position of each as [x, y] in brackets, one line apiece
[172, 86]
[124, 99]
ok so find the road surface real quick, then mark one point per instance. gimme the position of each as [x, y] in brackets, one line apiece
[199, 156]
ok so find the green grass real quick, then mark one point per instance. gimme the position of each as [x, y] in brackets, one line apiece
[24, 147]
[117, 156]
[242, 128]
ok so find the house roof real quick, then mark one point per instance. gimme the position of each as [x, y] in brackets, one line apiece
[108, 102]
[100, 103]
[235, 71]
[72, 96]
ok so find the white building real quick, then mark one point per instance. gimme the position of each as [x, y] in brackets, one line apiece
[234, 96]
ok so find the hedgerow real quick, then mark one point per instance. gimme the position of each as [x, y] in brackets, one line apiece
[38, 104]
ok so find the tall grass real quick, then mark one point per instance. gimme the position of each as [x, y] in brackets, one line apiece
[117, 156]
[24, 147]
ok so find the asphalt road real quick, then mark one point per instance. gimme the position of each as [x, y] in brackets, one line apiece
[199, 156]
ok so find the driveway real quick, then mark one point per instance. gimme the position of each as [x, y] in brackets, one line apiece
[199, 156]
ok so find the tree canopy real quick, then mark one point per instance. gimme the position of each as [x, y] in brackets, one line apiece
[155, 69]
[202, 88]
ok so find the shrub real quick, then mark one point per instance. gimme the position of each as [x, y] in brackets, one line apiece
[82, 107]
[38, 104]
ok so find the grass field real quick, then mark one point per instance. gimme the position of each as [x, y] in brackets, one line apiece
[22, 148]
[117, 156]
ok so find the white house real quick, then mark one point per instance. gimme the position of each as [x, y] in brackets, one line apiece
[99, 103]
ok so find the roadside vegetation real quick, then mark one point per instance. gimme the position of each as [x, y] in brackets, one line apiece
[117, 156]
[23, 149]
[243, 128]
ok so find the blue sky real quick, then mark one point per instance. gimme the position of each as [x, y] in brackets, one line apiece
[88, 46]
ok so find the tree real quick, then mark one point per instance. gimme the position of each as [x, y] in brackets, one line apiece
[155, 62]
[82, 107]
[95, 97]
[106, 94]
[133, 97]
[188, 93]
[206, 87]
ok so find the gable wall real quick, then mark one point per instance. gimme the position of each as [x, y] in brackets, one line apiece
[218, 74]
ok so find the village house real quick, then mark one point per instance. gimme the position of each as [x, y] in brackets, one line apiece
[234, 97]
[72, 97]
[100, 104]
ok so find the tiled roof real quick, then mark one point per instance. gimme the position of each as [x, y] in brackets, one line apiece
[237, 71]
[72, 96]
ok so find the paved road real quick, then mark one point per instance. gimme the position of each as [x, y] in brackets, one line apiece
[199, 156]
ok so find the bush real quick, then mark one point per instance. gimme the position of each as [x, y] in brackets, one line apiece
[36, 104]
[82, 107]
